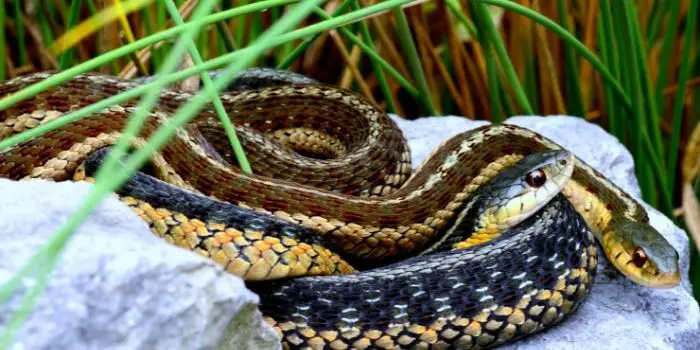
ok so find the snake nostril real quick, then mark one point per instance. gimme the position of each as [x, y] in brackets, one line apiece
[562, 162]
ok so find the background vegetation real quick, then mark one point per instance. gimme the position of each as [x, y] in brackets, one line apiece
[630, 66]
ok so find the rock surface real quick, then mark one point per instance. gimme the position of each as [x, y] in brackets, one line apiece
[119, 287]
[617, 313]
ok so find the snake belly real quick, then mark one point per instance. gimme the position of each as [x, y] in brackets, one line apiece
[362, 203]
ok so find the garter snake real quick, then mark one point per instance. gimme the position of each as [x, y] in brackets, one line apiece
[333, 171]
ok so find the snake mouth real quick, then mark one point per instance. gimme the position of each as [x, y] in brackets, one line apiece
[649, 276]
[642, 254]
[666, 280]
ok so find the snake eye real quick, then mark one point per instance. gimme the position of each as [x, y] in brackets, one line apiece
[639, 258]
[536, 178]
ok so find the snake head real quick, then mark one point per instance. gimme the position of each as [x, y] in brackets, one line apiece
[524, 188]
[641, 253]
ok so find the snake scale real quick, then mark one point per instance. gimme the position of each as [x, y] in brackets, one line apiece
[492, 238]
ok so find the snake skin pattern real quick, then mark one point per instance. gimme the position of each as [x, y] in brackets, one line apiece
[332, 171]
[466, 298]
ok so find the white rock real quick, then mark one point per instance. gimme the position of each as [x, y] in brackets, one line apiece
[117, 286]
[617, 314]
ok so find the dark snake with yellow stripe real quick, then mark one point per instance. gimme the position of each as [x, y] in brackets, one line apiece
[333, 172]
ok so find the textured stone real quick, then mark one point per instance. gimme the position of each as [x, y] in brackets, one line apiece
[117, 286]
[617, 313]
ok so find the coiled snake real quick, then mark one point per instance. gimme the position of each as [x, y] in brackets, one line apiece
[490, 240]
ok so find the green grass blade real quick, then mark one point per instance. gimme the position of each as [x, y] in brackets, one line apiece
[92, 7]
[575, 105]
[683, 76]
[505, 99]
[138, 118]
[456, 9]
[185, 113]
[255, 27]
[643, 126]
[500, 50]
[376, 58]
[657, 16]
[493, 82]
[413, 60]
[105, 58]
[66, 58]
[614, 125]
[492, 75]
[624, 68]
[632, 127]
[627, 44]
[567, 37]
[666, 52]
[376, 65]
[241, 26]
[299, 50]
[336, 22]
[608, 53]
[148, 20]
[213, 95]
[44, 28]
[21, 47]
[660, 175]
[530, 80]
[653, 123]
[225, 35]
[175, 76]
[161, 22]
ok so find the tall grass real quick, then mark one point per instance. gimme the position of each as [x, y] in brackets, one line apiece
[627, 66]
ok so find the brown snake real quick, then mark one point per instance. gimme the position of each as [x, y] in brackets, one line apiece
[332, 163]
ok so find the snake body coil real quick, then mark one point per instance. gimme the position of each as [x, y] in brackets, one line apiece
[467, 298]
[333, 172]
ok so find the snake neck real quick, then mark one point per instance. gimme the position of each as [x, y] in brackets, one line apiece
[596, 212]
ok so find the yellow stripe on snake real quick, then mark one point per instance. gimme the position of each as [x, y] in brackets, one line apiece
[490, 240]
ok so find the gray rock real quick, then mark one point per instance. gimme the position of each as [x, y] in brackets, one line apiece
[117, 286]
[617, 314]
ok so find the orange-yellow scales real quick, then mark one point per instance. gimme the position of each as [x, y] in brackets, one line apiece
[247, 253]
